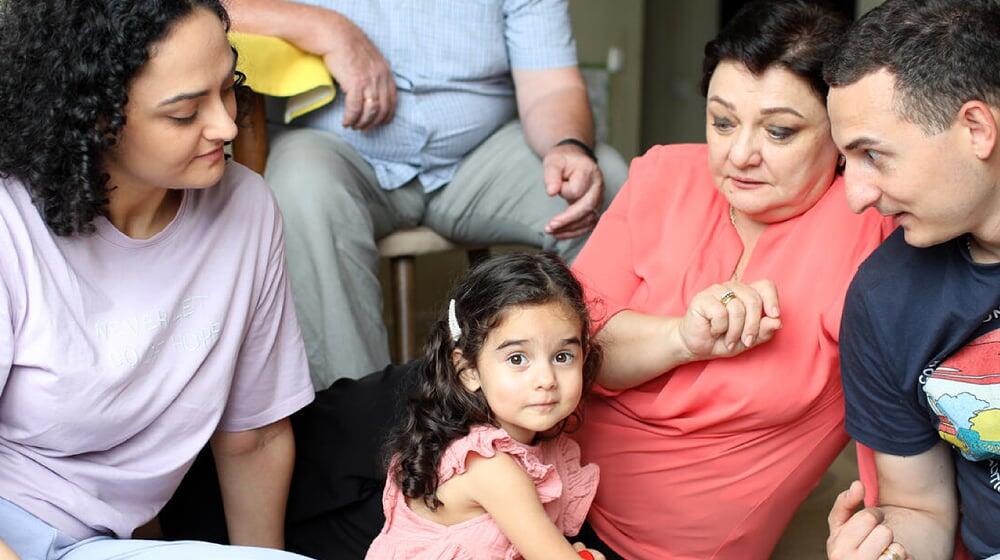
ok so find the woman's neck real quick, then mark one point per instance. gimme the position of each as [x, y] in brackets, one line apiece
[141, 213]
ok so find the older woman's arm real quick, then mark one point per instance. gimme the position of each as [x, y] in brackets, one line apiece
[255, 469]
[639, 347]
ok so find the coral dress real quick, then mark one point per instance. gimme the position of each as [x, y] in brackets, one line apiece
[565, 488]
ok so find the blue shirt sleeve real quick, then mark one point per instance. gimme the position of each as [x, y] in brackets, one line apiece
[880, 396]
[539, 34]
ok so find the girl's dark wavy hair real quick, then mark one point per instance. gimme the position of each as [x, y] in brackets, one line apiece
[65, 71]
[441, 409]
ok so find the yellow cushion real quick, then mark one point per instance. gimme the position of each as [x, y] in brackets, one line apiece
[278, 68]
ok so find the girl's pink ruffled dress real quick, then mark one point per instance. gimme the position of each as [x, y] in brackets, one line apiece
[565, 489]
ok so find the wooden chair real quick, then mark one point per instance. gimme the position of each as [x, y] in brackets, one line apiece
[401, 247]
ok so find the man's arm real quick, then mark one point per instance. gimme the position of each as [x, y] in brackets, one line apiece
[920, 500]
[552, 104]
[918, 505]
[255, 470]
[356, 64]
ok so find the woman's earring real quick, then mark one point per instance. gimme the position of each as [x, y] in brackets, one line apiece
[841, 163]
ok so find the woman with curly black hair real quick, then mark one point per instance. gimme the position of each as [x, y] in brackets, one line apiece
[144, 308]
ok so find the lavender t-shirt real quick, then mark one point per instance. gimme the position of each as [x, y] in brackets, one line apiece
[119, 358]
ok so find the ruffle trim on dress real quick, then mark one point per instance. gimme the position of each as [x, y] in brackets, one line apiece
[580, 482]
[487, 441]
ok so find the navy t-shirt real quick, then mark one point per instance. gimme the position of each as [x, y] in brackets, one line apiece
[920, 356]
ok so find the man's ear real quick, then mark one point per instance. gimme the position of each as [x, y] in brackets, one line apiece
[469, 375]
[980, 120]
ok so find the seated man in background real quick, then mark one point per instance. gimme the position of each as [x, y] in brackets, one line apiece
[915, 105]
[424, 133]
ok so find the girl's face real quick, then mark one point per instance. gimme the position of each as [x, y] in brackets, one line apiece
[180, 112]
[530, 368]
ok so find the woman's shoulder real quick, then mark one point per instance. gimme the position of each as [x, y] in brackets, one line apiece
[241, 199]
[245, 186]
[667, 169]
[832, 213]
[678, 157]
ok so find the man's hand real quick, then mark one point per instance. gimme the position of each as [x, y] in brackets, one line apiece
[569, 173]
[361, 71]
[859, 534]
[359, 68]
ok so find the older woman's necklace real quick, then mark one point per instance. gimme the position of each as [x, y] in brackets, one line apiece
[748, 238]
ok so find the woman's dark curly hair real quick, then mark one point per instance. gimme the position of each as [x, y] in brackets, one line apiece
[798, 35]
[65, 71]
[441, 409]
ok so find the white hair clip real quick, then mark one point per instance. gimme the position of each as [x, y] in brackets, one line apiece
[453, 329]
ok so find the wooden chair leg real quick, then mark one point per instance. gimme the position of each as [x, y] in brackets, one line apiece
[403, 306]
[477, 256]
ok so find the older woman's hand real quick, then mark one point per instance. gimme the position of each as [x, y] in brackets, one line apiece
[726, 319]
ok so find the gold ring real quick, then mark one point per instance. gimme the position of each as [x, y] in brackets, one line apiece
[369, 100]
[727, 297]
[888, 554]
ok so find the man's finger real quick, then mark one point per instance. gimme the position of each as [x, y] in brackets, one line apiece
[552, 174]
[390, 98]
[571, 233]
[577, 184]
[353, 105]
[369, 113]
[894, 551]
[877, 540]
[582, 208]
[846, 504]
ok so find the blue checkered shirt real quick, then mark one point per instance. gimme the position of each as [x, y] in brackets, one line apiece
[452, 61]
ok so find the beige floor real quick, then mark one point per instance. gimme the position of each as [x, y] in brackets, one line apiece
[805, 538]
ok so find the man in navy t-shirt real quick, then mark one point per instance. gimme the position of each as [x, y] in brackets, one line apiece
[915, 108]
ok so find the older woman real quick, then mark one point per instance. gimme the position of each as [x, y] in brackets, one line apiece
[718, 276]
[144, 308]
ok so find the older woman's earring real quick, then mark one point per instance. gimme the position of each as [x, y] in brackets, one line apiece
[841, 163]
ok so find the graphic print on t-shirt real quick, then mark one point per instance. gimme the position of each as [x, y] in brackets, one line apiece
[964, 392]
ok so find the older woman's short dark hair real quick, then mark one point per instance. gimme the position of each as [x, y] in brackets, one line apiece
[65, 70]
[943, 53]
[798, 35]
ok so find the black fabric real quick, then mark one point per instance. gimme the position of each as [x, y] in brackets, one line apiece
[335, 499]
[920, 357]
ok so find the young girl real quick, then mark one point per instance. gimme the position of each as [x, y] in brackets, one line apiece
[479, 468]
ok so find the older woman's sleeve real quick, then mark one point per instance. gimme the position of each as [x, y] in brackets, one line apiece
[605, 266]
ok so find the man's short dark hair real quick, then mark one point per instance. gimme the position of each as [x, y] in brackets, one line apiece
[942, 53]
